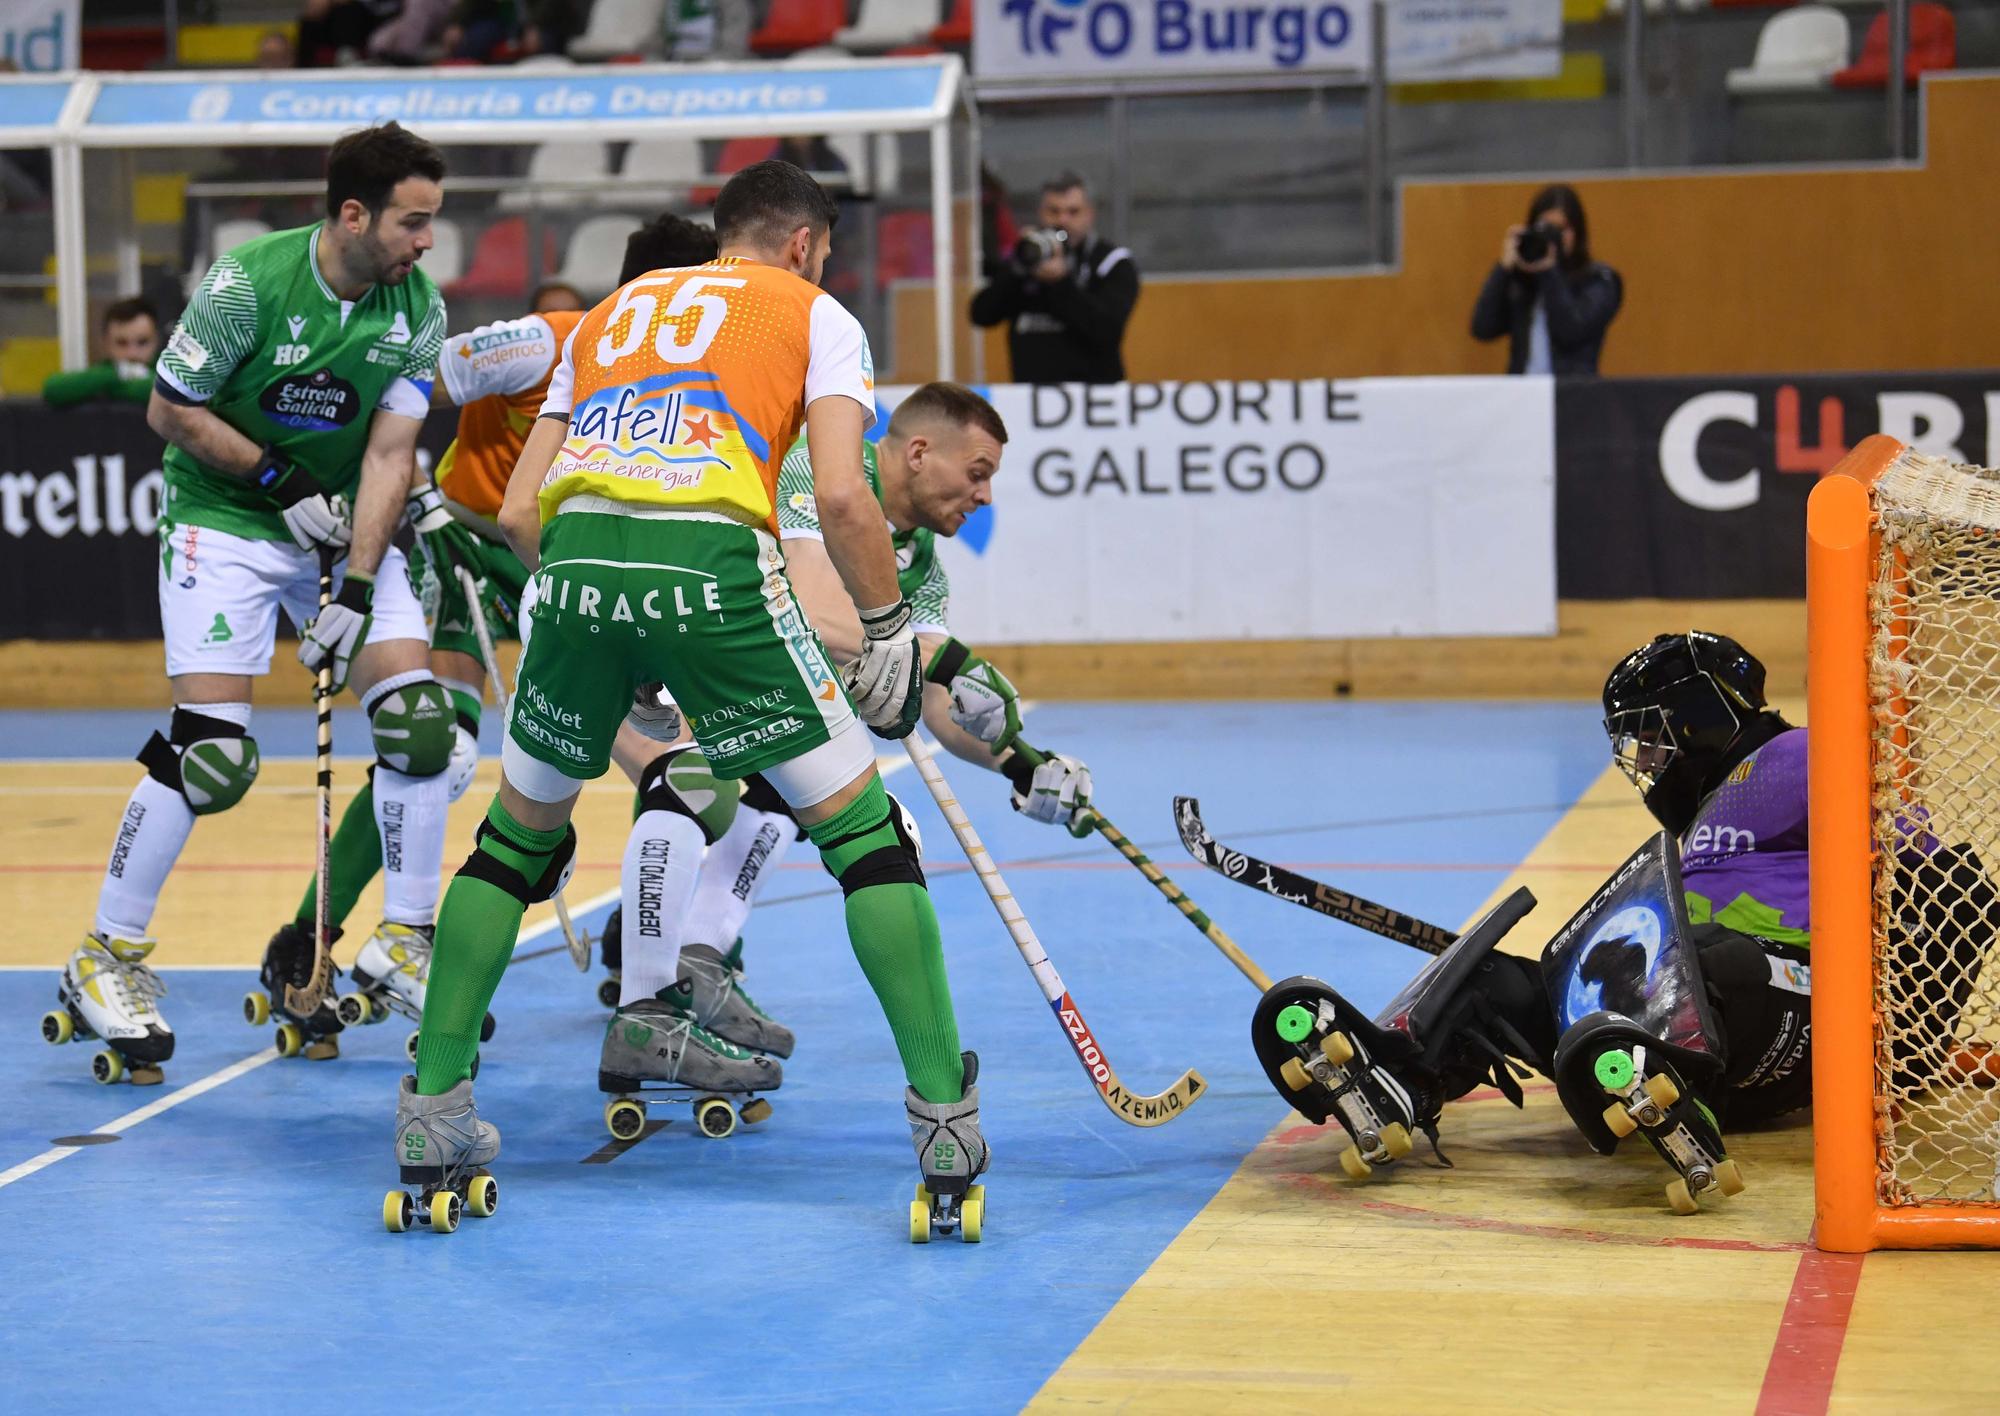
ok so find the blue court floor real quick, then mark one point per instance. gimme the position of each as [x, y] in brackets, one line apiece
[229, 1252]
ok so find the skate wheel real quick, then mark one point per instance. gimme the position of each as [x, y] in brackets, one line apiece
[922, 1196]
[410, 1045]
[1336, 1048]
[1729, 1177]
[1295, 1074]
[107, 1067]
[1396, 1140]
[716, 1117]
[57, 1027]
[1618, 1120]
[486, 1028]
[607, 992]
[1680, 1199]
[758, 1110]
[445, 1209]
[1354, 1165]
[920, 1222]
[1295, 1024]
[353, 1010]
[624, 1119]
[399, 1211]
[256, 1009]
[291, 1040]
[972, 1214]
[482, 1196]
[1660, 1087]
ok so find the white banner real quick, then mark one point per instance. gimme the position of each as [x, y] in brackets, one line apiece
[1280, 510]
[41, 36]
[1428, 39]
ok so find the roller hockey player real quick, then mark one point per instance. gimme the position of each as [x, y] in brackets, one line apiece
[645, 504]
[296, 383]
[1677, 999]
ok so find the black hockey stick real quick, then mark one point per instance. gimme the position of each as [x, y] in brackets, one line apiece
[1297, 889]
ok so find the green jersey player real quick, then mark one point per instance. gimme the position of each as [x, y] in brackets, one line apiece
[294, 388]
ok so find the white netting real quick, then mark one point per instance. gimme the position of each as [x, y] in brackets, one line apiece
[1934, 686]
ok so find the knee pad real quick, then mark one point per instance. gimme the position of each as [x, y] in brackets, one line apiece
[464, 761]
[413, 728]
[760, 795]
[679, 781]
[529, 874]
[894, 852]
[211, 762]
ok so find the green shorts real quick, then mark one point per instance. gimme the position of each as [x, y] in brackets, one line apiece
[701, 605]
[504, 575]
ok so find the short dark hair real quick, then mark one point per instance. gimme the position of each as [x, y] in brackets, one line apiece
[127, 310]
[951, 403]
[365, 166]
[665, 243]
[1561, 197]
[1067, 180]
[767, 201]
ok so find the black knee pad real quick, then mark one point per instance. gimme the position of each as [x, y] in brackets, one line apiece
[760, 795]
[892, 862]
[500, 863]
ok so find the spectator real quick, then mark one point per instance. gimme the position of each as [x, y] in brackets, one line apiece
[1551, 300]
[552, 24]
[337, 31]
[998, 230]
[125, 373]
[414, 36]
[1064, 292]
[478, 28]
[274, 51]
[554, 296]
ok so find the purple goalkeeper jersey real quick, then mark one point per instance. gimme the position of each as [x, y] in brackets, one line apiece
[1743, 861]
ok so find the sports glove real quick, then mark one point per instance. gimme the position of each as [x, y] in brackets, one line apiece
[887, 689]
[655, 714]
[983, 702]
[339, 630]
[1050, 788]
[312, 517]
[446, 544]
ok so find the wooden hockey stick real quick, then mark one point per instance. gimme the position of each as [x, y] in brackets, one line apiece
[302, 1003]
[1127, 1106]
[1210, 929]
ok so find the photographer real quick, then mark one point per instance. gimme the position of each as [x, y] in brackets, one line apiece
[1551, 300]
[1066, 292]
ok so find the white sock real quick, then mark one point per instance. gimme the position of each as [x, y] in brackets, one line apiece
[150, 836]
[662, 855]
[736, 869]
[410, 814]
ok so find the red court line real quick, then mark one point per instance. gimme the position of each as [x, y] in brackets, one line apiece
[1806, 1356]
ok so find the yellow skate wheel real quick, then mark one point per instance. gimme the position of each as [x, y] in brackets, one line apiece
[715, 1117]
[107, 1067]
[352, 1010]
[624, 1119]
[920, 1222]
[1396, 1139]
[445, 1209]
[57, 1027]
[923, 1196]
[1680, 1199]
[1660, 1087]
[399, 1211]
[1337, 1049]
[758, 1110]
[290, 1039]
[256, 1009]
[1354, 1165]
[1295, 1074]
[1729, 1177]
[482, 1196]
[410, 1045]
[972, 1213]
[1619, 1121]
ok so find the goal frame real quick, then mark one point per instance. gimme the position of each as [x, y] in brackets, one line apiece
[1841, 550]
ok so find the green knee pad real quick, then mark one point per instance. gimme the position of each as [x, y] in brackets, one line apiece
[412, 728]
[209, 761]
[679, 780]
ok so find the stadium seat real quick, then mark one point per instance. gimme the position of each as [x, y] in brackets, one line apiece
[888, 24]
[956, 31]
[596, 253]
[226, 237]
[656, 171]
[1797, 49]
[546, 61]
[737, 154]
[619, 27]
[903, 247]
[799, 24]
[1933, 45]
[557, 162]
[445, 261]
[500, 262]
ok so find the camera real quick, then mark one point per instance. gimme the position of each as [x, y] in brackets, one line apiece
[1038, 244]
[1537, 241]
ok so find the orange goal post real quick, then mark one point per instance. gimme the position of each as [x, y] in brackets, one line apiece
[1903, 704]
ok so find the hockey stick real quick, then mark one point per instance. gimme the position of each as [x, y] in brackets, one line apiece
[1127, 1106]
[579, 945]
[302, 1003]
[1296, 889]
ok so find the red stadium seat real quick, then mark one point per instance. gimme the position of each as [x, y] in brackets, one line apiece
[904, 244]
[500, 261]
[1933, 45]
[737, 154]
[956, 31]
[799, 24]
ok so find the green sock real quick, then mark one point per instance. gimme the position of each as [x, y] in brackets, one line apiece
[476, 930]
[355, 856]
[894, 932]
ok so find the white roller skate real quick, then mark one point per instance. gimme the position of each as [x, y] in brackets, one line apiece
[108, 993]
[442, 1147]
[393, 972]
[713, 981]
[952, 1154]
[654, 1051]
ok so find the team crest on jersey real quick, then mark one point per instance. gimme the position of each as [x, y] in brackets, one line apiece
[1742, 771]
[317, 402]
[399, 330]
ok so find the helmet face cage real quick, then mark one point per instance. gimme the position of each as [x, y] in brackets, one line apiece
[1642, 744]
[1695, 715]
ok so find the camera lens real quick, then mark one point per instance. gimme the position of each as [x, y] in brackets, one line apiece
[1533, 245]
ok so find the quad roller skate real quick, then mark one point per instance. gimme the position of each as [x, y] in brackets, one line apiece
[288, 959]
[610, 948]
[392, 971]
[109, 994]
[714, 982]
[655, 1052]
[443, 1149]
[953, 1155]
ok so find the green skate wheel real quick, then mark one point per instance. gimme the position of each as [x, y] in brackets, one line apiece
[1614, 1070]
[57, 1027]
[482, 1196]
[445, 1208]
[399, 1211]
[920, 1222]
[972, 1214]
[107, 1067]
[256, 1009]
[1295, 1024]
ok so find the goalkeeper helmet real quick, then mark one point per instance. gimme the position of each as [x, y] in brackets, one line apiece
[1674, 710]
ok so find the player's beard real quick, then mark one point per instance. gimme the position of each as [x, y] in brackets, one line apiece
[383, 267]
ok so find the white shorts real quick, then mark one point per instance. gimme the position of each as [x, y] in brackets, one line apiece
[220, 595]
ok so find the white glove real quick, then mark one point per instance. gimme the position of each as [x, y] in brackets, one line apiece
[655, 714]
[983, 702]
[887, 689]
[339, 630]
[1058, 793]
[312, 516]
